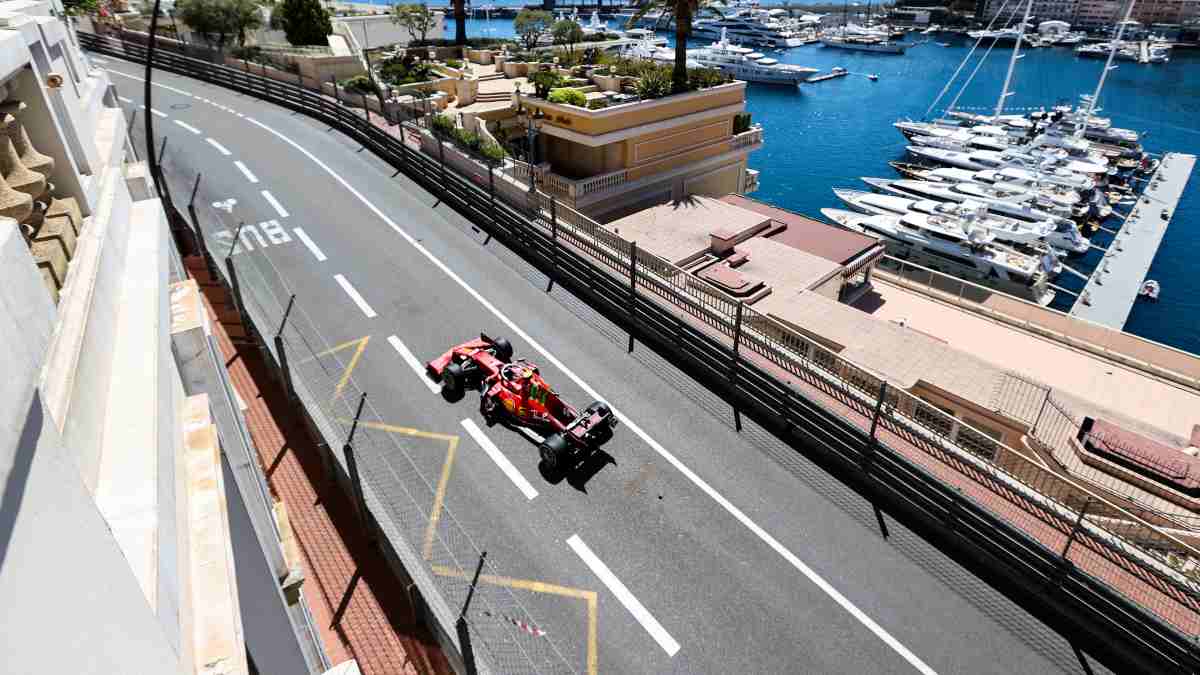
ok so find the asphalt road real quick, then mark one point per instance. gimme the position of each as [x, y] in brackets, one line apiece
[729, 552]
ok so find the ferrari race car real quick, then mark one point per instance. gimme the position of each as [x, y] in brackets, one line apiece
[514, 392]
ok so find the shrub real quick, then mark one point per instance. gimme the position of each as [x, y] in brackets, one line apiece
[543, 81]
[443, 125]
[654, 83]
[492, 152]
[405, 71]
[703, 78]
[454, 63]
[741, 122]
[568, 95]
[597, 103]
[359, 84]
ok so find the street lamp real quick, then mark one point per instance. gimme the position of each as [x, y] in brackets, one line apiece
[534, 118]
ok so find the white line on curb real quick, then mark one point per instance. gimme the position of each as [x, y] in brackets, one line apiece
[358, 299]
[275, 204]
[220, 148]
[187, 126]
[407, 355]
[312, 246]
[246, 172]
[498, 457]
[635, 607]
[633, 427]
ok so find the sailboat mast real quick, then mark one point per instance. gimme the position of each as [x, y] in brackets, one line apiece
[1104, 73]
[1012, 62]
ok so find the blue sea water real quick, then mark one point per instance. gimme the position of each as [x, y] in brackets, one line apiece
[831, 133]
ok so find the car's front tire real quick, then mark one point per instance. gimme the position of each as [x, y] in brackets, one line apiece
[553, 449]
[453, 381]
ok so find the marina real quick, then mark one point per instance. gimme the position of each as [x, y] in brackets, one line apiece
[1114, 286]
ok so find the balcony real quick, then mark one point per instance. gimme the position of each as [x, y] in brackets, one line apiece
[749, 181]
[749, 138]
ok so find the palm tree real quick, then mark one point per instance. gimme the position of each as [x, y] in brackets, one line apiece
[460, 21]
[683, 11]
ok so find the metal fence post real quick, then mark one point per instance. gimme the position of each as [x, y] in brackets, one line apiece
[195, 187]
[1036, 422]
[461, 627]
[1075, 529]
[337, 95]
[366, 108]
[492, 192]
[234, 287]
[360, 497]
[632, 291]
[282, 353]
[733, 365]
[553, 243]
[441, 157]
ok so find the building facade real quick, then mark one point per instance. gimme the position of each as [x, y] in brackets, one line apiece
[1093, 15]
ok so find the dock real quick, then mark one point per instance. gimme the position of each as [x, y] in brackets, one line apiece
[827, 76]
[1113, 287]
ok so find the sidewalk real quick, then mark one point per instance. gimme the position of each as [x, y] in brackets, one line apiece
[360, 607]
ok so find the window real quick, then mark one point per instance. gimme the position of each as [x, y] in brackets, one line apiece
[935, 417]
[980, 441]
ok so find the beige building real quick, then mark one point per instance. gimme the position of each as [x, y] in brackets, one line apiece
[1095, 14]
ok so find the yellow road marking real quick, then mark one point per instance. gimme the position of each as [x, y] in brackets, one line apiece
[439, 497]
[541, 587]
[362, 345]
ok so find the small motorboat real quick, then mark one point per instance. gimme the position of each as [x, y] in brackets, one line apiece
[943, 44]
[872, 77]
[1149, 289]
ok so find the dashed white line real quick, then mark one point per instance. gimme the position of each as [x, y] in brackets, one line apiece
[635, 607]
[157, 84]
[358, 299]
[275, 204]
[407, 355]
[312, 246]
[187, 126]
[157, 113]
[739, 515]
[246, 172]
[220, 148]
[125, 100]
[498, 457]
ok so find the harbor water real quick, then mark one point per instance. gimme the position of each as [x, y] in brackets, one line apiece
[831, 133]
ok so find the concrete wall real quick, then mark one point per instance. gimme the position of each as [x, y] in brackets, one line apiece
[373, 31]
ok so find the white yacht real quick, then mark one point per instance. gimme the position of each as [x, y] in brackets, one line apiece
[1073, 174]
[941, 243]
[743, 63]
[1017, 205]
[1009, 178]
[1001, 36]
[746, 28]
[861, 43]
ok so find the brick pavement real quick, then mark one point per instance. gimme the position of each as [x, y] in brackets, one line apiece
[361, 608]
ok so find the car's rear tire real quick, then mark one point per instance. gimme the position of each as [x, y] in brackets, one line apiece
[553, 450]
[503, 349]
[453, 381]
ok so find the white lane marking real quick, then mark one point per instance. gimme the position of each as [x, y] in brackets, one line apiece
[498, 457]
[157, 113]
[635, 607]
[157, 84]
[275, 203]
[125, 100]
[220, 148]
[246, 172]
[312, 246]
[408, 357]
[696, 480]
[358, 299]
[187, 126]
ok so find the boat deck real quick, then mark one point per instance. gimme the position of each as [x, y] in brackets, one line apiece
[1113, 287]
[826, 76]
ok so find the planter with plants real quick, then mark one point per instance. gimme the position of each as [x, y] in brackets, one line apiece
[568, 96]
[471, 143]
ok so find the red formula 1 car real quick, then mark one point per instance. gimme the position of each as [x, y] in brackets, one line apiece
[514, 392]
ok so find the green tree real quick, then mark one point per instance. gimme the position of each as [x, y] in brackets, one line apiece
[567, 32]
[416, 20]
[531, 25]
[217, 21]
[305, 22]
[683, 11]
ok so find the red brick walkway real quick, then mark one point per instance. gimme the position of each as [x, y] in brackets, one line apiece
[359, 605]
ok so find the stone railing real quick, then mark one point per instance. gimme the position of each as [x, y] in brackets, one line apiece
[604, 181]
[750, 181]
[752, 136]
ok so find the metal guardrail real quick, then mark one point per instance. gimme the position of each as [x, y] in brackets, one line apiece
[1058, 556]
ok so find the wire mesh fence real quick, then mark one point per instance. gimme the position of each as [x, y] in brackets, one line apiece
[1117, 547]
[400, 498]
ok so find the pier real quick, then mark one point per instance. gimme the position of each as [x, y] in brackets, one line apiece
[1113, 287]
